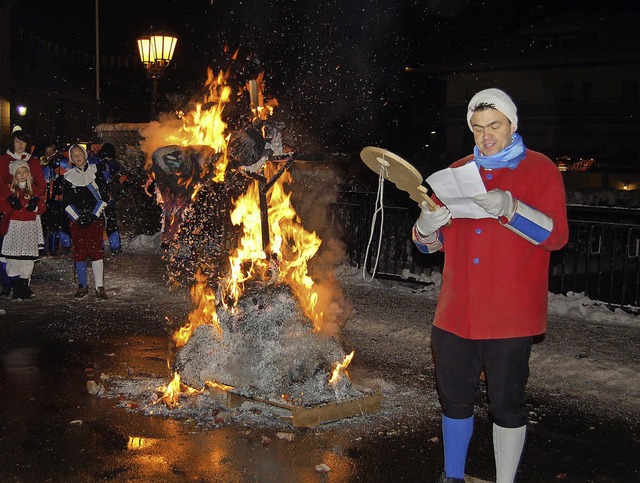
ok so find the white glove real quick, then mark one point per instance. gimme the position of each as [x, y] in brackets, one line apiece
[430, 221]
[497, 203]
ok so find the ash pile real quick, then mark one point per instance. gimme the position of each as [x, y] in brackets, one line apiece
[266, 350]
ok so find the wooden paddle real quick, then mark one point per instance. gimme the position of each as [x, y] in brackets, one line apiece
[398, 171]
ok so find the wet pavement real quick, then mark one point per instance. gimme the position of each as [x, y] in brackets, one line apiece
[52, 429]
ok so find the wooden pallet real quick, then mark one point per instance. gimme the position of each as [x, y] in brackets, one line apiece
[311, 416]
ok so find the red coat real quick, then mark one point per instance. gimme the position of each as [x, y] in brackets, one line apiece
[22, 214]
[39, 182]
[495, 283]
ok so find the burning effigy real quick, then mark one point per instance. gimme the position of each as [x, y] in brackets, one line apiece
[263, 328]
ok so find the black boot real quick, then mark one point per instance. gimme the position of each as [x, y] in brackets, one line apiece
[21, 289]
[27, 288]
[81, 292]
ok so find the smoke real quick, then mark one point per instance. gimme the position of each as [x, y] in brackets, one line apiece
[331, 298]
[314, 193]
[158, 134]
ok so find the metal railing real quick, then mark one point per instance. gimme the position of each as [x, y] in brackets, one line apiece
[601, 259]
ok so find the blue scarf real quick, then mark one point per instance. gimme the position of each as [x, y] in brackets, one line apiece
[509, 157]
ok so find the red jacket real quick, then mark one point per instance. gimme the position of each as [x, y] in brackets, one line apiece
[495, 282]
[22, 214]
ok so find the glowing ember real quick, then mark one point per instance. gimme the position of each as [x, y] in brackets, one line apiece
[340, 368]
[217, 385]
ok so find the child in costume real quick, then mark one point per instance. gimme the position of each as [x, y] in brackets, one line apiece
[85, 195]
[21, 229]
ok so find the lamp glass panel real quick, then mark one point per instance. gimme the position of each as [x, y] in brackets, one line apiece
[145, 50]
[162, 47]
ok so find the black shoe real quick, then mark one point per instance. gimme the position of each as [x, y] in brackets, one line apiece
[81, 292]
[445, 479]
[21, 289]
[101, 293]
[6, 291]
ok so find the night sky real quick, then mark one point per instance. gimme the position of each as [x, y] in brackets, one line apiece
[338, 60]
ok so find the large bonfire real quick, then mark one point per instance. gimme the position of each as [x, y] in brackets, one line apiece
[261, 326]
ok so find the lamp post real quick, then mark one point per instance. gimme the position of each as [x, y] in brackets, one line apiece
[156, 51]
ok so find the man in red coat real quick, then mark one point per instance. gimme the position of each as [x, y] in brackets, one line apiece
[493, 299]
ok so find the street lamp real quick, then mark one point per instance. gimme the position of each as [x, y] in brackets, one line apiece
[156, 51]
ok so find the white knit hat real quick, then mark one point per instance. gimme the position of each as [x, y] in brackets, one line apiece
[15, 165]
[499, 99]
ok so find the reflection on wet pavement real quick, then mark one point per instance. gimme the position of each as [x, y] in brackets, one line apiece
[52, 429]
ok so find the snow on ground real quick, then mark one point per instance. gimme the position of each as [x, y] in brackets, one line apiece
[590, 354]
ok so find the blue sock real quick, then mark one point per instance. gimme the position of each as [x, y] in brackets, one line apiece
[4, 278]
[81, 270]
[65, 240]
[114, 241]
[53, 242]
[456, 435]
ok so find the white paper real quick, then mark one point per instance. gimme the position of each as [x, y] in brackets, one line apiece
[456, 187]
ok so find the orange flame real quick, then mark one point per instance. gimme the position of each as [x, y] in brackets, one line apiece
[295, 246]
[171, 392]
[259, 109]
[290, 244]
[249, 254]
[340, 368]
[204, 125]
[204, 313]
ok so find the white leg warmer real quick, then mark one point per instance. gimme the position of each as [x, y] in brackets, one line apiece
[508, 444]
[97, 266]
[19, 268]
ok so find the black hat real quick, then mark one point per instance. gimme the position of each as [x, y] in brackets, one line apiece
[107, 150]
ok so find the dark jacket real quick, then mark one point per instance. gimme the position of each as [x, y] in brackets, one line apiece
[85, 193]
